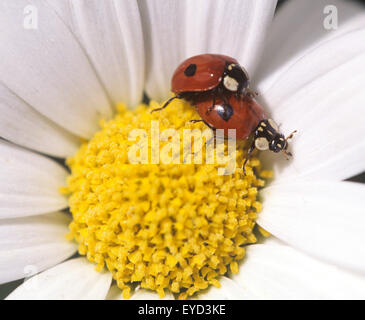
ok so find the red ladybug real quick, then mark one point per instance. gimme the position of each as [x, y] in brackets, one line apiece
[210, 75]
[247, 116]
[242, 114]
[219, 88]
[209, 72]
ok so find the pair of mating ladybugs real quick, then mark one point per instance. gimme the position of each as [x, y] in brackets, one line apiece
[219, 88]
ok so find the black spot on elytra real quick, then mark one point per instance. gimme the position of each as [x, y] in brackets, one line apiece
[225, 111]
[190, 70]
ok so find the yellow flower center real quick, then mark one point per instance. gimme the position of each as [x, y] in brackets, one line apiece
[165, 226]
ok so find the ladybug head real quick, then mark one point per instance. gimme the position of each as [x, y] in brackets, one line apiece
[278, 143]
[235, 78]
[268, 137]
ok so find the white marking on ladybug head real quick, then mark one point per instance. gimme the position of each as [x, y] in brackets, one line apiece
[230, 83]
[230, 67]
[273, 124]
[261, 143]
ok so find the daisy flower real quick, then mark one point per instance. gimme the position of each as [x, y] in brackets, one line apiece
[67, 64]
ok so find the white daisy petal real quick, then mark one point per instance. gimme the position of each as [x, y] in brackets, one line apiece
[23, 125]
[281, 272]
[162, 30]
[306, 20]
[33, 243]
[324, 219]
[143, 294]
[175, 30]
[229, 290]
[48, 68]
[111, 33]
[114, 293]
[29, 183]
[322, 96]
[75, 279]
[236, 28]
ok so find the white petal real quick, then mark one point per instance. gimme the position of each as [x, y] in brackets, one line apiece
[114, 293]
[229, 290]
[74, 279]
[139, 294]
[322, 96]
[33, 244]
[272, 240]
[143, 294]
[324, 219]
[310, 87]
[175, 30]
[281, 272]
[23, 125]
[162, 30]
[111, 33]
[48, 69]
[306, 19]
[236, 28]
[29, 183]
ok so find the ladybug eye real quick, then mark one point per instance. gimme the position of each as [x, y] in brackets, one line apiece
[190, 70]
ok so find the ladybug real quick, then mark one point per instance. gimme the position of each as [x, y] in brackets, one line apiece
[219, 88]
[210, 75]
[248, 117]
[233, 112]
[207, 72]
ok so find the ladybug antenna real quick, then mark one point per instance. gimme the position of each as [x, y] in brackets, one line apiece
[285, 151]
[166, 104]
[290, 135]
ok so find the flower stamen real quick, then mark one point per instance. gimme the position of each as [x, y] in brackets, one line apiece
[165, 226]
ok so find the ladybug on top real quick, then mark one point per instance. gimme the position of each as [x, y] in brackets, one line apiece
[219, 88]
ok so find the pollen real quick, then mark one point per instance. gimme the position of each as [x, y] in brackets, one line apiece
[176, 226]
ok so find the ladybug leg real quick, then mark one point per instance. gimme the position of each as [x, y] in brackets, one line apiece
[290, 135]
[166, 104]
[287, 153]
[209, 126]
[206, 123]
[252, 148]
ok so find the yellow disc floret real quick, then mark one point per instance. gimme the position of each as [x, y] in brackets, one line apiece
[165, 226]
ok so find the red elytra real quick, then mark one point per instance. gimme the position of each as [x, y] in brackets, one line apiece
[200, 73]
[242, 114]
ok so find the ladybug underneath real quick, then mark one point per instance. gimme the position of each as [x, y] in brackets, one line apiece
[219, 88]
